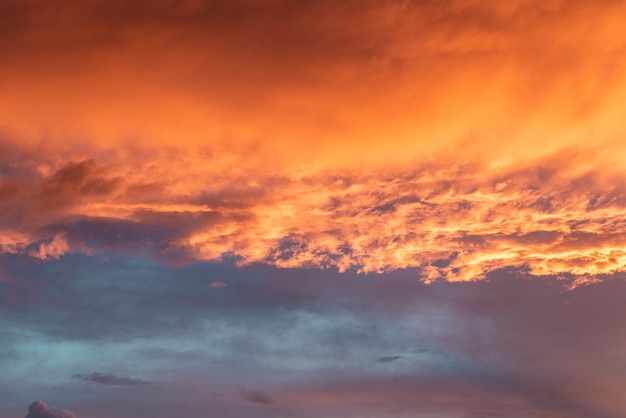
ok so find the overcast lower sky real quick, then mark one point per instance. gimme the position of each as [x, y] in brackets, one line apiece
[280, 208]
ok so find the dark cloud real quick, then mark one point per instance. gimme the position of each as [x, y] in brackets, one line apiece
[76, 179]
[256, 397]
[110, 379]
[149, 232]
[388, 359]
[39, 409]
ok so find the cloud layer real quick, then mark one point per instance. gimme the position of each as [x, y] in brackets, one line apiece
[281, 81]
[288, 209]
[450, 137]
[305, 343]
[558, 215]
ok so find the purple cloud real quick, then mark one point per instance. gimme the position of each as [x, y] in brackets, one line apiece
[39, 409]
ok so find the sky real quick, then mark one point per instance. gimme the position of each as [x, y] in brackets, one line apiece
[292, 209]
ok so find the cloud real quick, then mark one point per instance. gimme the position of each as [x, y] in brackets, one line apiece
[447, 220]
[256, 397]
[110, 379]
[74, 181]
[402, 161]
[405, 79]
[583, 281]
[217, 285]
[487, 395]
[52, 250]
[311, 339]
[292, 146]
[388, 359]
[39, 409]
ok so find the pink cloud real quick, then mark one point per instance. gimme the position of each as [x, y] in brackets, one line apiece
[52, 250]
[217, 285]
[39, 409]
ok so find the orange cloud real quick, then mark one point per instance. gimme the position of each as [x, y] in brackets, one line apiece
[371, 83]
[52, 250]
[453, 137]
[217, 285]
[452, 221]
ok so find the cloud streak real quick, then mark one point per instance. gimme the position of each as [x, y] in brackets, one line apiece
[256, 397]
[388, 359]
[110, 379]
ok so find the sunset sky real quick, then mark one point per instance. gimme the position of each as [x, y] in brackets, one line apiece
[303, 209]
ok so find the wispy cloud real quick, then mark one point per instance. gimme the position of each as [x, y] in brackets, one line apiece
[217, 285]
[110, 379]
[388, 359]
[256, 397]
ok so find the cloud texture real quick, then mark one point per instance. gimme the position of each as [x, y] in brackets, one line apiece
[39, 409]
[288, 209]
[556, 215]
[307, 343]
[370, 137]
[278, 82]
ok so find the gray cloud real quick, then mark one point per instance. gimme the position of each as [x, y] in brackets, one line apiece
[110, 379]
[388, 359]
[256, 397]
[305, 335]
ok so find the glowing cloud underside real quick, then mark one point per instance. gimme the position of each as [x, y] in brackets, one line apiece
[452, 137]
[452, 221]
[288, 208]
